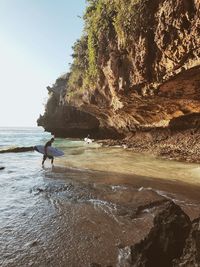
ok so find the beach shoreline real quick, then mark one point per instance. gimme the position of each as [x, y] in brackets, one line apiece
[182, 146]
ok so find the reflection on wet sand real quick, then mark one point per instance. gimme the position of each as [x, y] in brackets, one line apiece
[76, 217]
[81, 217]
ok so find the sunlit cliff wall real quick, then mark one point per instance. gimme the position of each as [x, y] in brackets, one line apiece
[136, 66]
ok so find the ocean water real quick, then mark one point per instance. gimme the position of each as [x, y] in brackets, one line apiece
[80, 210]
[80, 155]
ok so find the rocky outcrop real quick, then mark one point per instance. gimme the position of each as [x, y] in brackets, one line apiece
[17, 149]
[166, 240]
[179, 141]
[148, 82]
[173, 241]
[191, 251]
[68, 121]
[64, 120]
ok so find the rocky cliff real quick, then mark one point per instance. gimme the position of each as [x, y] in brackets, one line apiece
[136, 68]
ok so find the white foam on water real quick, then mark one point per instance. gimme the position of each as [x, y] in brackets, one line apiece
[124, 257]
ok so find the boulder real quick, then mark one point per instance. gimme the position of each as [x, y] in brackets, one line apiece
[191, 251]
[165, 241]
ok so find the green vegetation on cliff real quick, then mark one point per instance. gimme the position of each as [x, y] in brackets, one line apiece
[105, 21]
[78, 67]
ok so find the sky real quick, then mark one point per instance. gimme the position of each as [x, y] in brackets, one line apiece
[36, 37]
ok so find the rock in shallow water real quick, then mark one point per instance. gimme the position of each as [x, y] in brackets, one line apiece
[17, 149]
[166, 239]
[173, 241]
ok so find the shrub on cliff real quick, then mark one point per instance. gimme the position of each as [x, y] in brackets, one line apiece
[131, 18]
[105, 21]
[78, 67]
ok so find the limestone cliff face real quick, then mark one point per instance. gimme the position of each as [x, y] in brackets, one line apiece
[146, 82]
[64, 120]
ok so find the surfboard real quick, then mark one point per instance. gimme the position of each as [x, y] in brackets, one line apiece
[51, 151]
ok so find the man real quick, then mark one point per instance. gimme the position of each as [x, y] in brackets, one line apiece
[88, 140]
[49, 143]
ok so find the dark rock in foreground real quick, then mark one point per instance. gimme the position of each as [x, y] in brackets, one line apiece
[191, 252]
[173, 241]
[166, 239]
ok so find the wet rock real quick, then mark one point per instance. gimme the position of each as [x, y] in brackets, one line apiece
[124, 257]
[34, 243]
[191, 251]
[17, 149]
[181, 145]
[166, 239]
[40, 190]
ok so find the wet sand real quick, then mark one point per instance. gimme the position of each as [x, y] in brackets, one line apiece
[79, 217]
[124, 185]
[84, 217]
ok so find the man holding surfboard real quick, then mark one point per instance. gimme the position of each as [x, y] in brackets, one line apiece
[49, 143]
[48, 151]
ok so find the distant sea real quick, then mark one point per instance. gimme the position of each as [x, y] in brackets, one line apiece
[22, 136]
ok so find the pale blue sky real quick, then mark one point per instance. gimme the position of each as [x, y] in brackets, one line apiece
[36, 37]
